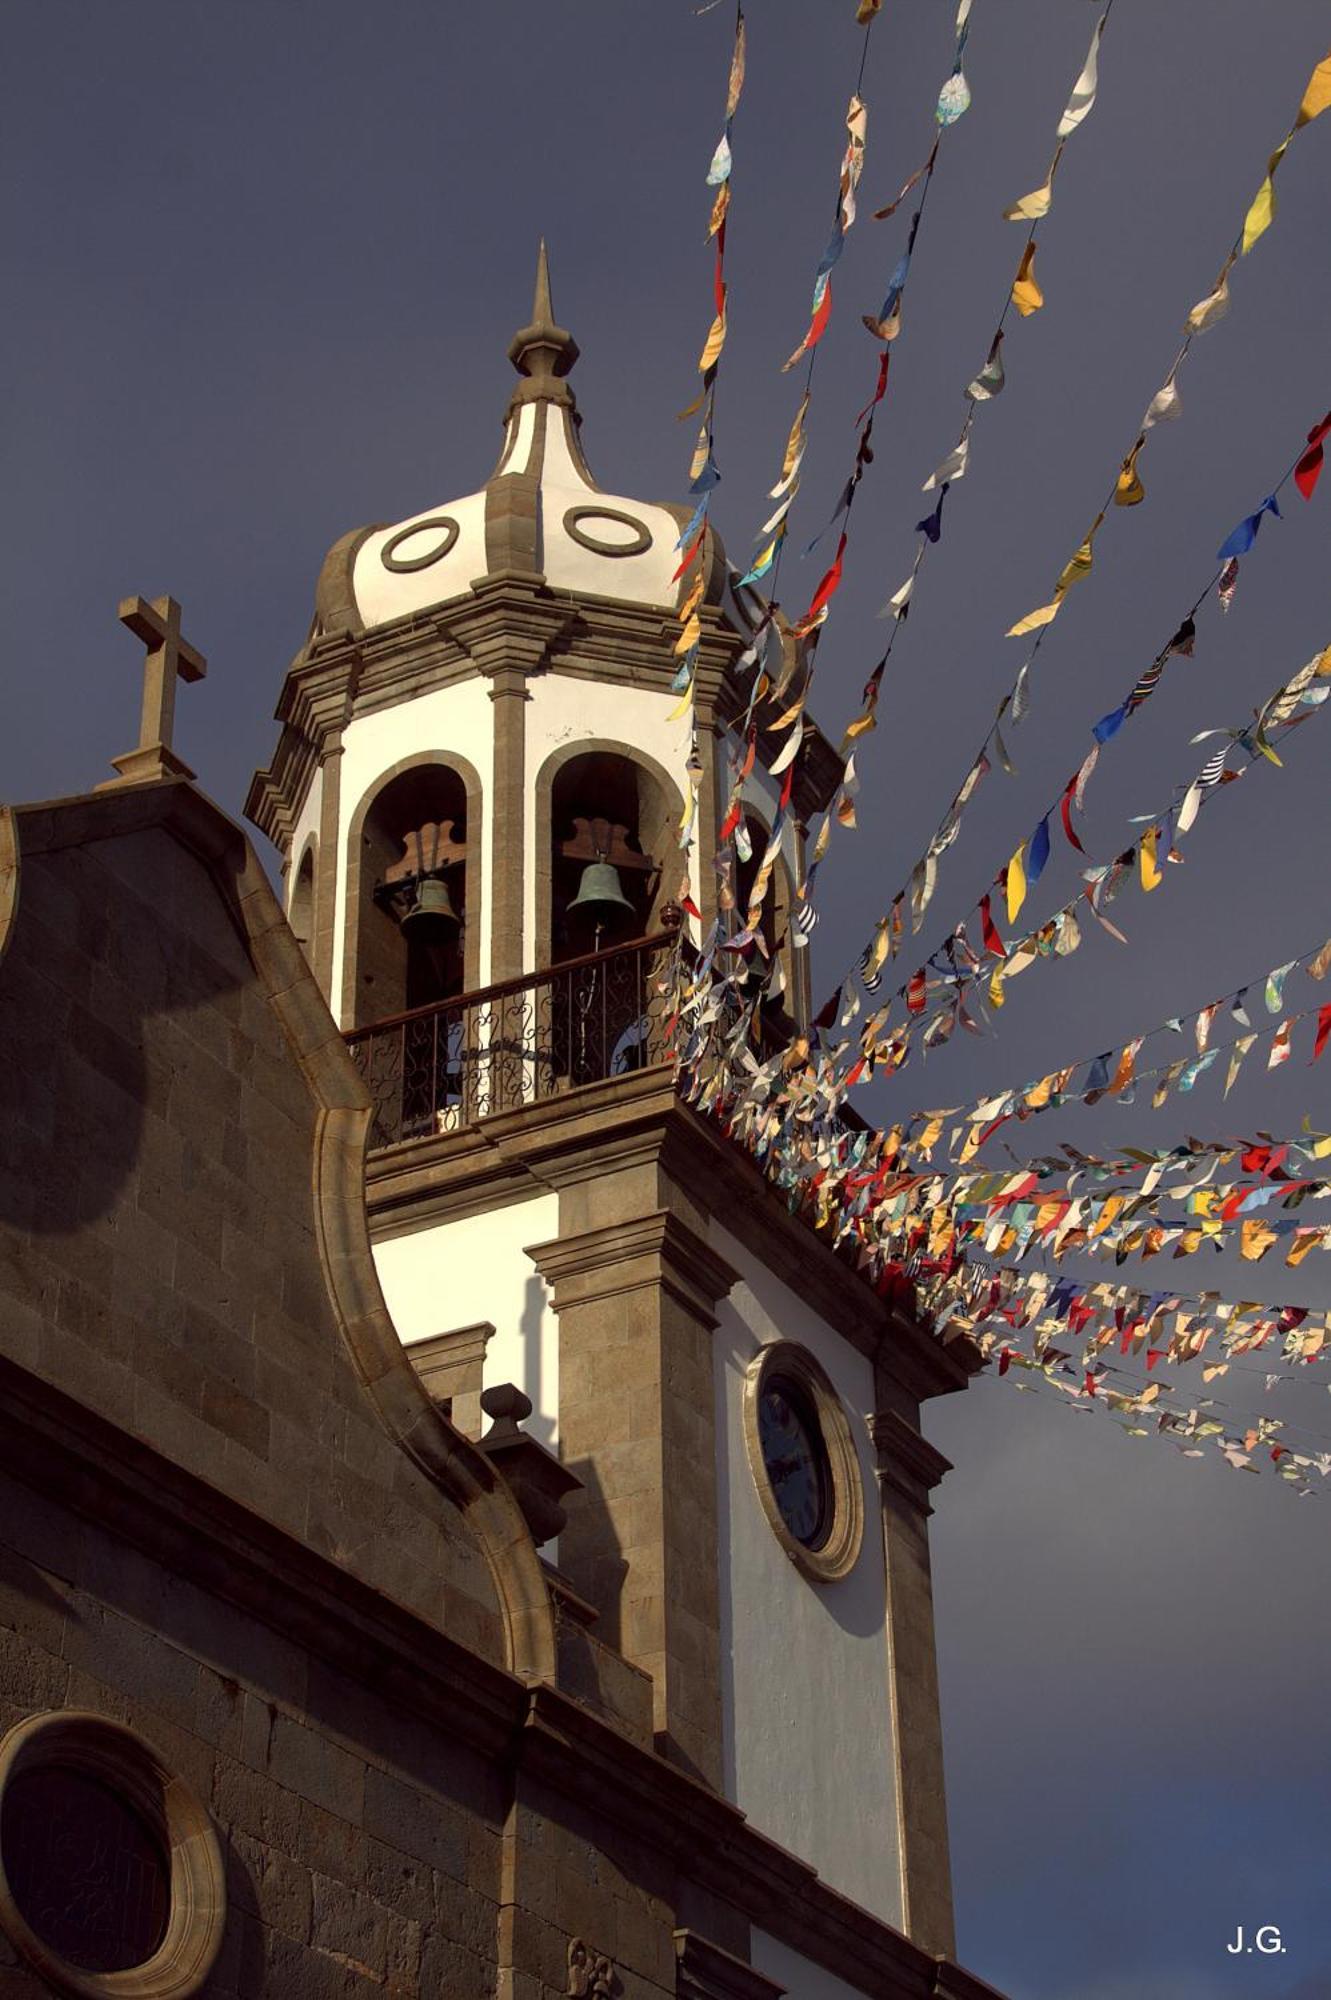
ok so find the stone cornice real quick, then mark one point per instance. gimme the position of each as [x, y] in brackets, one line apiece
[60, 1448]
[655, 1249]
[907, 1462]
[708, 1973]
[639, 1120]
[510, 619]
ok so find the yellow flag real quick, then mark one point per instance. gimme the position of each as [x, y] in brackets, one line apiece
[692, 601]
[1016, 884]
[682, 707]
[1129, 491]
[1263, 211]
[1032, 206]
[1317, 96]
[795, 440]
[716, 340]
[719, 208]
[1035, 619]
[1026, 294]
[996, 995]
[1082, 563]
[1255, 1239]
[1149, 865]
[691, 634]
[1301, 1245]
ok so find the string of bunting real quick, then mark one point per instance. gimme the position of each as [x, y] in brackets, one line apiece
[1127, 490]
[978, 1122]
[988, 383]
[1142, 1406]
[704, 473]
[800, 639]
[1012, 884]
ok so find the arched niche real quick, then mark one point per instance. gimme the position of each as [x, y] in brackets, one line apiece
[385, 972]
[301, 914]
[599, 778]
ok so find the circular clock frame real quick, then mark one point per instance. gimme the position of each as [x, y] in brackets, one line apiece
[820, 1409]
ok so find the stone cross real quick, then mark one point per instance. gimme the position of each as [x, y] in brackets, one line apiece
[170, 658]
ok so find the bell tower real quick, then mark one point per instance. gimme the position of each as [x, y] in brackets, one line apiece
[476, 792]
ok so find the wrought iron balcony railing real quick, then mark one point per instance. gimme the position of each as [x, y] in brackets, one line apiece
[440, 1067]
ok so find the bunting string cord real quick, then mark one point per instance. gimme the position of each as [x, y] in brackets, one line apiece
[1074, 792]
[987, 384]
[989, 1110]
[1127, 489]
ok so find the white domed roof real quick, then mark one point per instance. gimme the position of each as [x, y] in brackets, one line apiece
[540, 512]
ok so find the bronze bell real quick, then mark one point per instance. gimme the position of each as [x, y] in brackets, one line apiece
[431, 908]
[600, 895]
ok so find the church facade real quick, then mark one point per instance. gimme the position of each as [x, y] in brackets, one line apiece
[462, 1534]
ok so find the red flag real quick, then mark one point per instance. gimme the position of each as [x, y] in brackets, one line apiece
[689, 553]
[1309, 468]
[915, 992]
[1323, 1030]
[1067, 816]
[992, 941]
[828, 588]
[881, 390]
[730, 822]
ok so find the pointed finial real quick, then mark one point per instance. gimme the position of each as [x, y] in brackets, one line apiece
[542, 310]
[543, 352]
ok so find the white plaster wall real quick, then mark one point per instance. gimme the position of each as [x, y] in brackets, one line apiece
[646, 578]
[383, 594]
[808, 1743]
[801, 1978]
[562, 711]
[458, 718]
[455, 1273]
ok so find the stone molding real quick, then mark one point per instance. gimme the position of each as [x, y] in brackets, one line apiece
[907, 1462]
[708, 1973]
[451, 1366]
[639, 1120]
[509, 617]
[342, 1121]
[125, 1764]
[61, 1448]
[653, 1249]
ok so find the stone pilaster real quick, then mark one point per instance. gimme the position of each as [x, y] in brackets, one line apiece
[508, 692]
[908, 1469]
[637, 1421]
[326, 869]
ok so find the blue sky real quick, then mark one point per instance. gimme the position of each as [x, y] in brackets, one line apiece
[264, 262]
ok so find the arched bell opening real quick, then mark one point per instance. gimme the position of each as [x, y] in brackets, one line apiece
[301, 913]
[410, 943]
[605, 837]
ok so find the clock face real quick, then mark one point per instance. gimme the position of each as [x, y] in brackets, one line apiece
[796, 1461]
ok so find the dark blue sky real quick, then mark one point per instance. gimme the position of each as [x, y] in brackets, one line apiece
[263, 263]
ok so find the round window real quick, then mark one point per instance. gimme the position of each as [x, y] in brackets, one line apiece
[804, 1462]
[86, 1871]
[111, 1877]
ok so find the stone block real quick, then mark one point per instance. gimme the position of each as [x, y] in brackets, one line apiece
[417, 1823]
[306, 1763]
[350, 1925]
